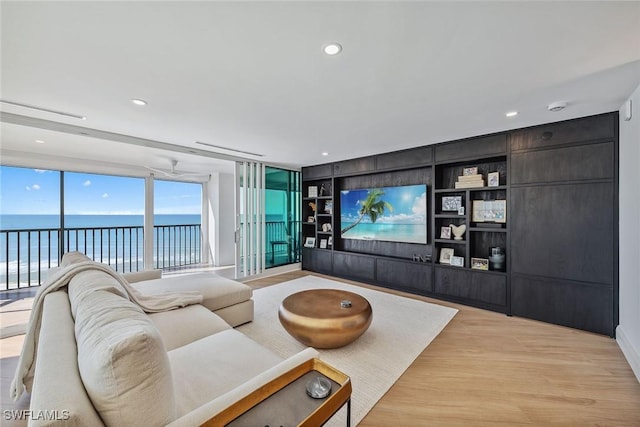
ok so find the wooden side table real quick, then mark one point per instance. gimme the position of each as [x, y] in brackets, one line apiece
[284, 401]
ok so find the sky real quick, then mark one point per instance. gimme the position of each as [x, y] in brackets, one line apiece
[37, 192]
[409, 204]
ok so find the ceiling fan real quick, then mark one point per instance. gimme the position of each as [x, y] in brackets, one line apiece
[173, 173]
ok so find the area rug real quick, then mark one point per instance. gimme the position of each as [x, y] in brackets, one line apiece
[401, 329]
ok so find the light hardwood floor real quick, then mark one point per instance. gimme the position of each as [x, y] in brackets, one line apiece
[488, 369]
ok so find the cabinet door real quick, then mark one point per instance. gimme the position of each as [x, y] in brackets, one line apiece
[354, 266]
[594, 161]
[563, 231]
[567, 132]
[477, 288]
[402, 274]
[317, 260]
[573, 304]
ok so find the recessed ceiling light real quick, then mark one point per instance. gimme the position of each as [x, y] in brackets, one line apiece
[324, 153]
[332, 48]
[511, 114]
[39, 141]
[139, 101]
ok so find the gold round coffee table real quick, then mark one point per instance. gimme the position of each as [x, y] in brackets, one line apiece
[325, 318]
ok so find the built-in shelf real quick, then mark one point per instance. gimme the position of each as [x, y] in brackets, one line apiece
[449, 216]
[488, 229]
[455, 242]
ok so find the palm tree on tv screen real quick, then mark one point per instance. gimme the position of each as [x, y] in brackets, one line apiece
[372, 206]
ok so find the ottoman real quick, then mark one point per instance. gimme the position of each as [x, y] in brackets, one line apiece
[227, 298]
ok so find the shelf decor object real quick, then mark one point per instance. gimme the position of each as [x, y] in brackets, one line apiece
[479, 264]
[470, 181]
[497, 258]
[310, 242]
[313, 191]
[489, 211]
[470, 171]
[445, 232]
[445, 255]
[457, 261]
[493, 179]
[323, 243]
[451, 203]
[458, 231]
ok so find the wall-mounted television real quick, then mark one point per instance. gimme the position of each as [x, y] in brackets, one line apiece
[392, 214]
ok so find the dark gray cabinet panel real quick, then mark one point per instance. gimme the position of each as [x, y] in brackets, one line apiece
[567, 132]
[404, 274]
[475, 286]
[353, 167]
[566, 303]
[476, 148]
[452, 281]
[490, 288]
[563, 231]
[595, 161]
[316, 172]
[405, 159]
[354, 266]
[317, 260]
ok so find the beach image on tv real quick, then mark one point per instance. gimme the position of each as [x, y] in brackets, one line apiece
[392, 214]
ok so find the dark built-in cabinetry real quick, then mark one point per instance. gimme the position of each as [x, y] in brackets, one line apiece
[552, 214]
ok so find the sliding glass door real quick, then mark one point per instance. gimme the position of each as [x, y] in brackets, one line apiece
[267, 217]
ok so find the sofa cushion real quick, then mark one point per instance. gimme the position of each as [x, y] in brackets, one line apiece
[122, 361]
[184, 325]
[57, 386]
[89, 281]
[217, 291]
[214, 365]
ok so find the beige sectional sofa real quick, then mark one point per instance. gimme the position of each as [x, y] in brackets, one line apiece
[101, 360]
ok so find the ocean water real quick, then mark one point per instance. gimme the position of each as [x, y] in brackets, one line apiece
[410, 233]
[113, 239]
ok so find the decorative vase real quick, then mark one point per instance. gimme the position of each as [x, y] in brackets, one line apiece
[458, 231]
[496, 260]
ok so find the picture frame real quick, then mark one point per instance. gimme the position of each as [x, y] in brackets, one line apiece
[445, 232]
[473, 170]
[312, 191]
[493, 179]
[451, 203]
[328, 207]
[479, 263]
[489, 211]
[311, 219]
[457, 261]
[445, 255]
[330, 241]
[461, 210]
[323, 243]
[310, 242]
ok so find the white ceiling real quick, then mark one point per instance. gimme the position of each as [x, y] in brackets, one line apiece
[252, 76]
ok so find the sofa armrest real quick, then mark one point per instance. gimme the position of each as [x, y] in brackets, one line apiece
[207, 411]
[140, 276]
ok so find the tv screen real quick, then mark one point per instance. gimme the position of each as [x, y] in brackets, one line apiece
[392, 214]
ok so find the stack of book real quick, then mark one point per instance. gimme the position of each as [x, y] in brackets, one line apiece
[470, 181]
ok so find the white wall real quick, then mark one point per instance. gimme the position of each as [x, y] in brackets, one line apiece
[628, 331]
[221, 218]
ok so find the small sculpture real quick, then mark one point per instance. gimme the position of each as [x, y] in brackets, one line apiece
[458, 231]
[312, 205]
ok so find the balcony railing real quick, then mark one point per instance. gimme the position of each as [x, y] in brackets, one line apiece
[26, 254]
